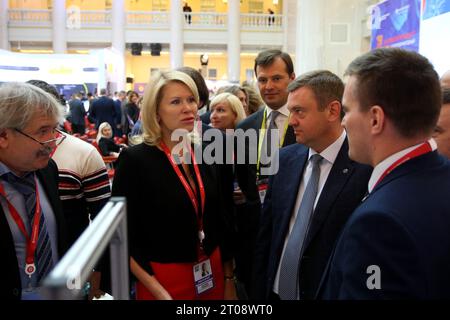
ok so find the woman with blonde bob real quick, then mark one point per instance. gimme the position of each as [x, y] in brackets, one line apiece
[176, 215]
[226, 111]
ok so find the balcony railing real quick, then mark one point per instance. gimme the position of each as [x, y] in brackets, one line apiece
[19, 17]
[148, 19]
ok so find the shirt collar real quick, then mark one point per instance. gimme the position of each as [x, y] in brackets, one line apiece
[331, 152]
[386, 163]
[283, 110]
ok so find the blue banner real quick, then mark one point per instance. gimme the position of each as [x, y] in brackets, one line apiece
[396, 23]
[433, 8]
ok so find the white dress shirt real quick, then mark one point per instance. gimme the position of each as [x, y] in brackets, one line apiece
[329, 156]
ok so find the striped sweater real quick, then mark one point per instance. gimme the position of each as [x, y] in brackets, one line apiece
[84, 187]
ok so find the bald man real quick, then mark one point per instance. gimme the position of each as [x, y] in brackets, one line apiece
[445, 79]
[442, 130]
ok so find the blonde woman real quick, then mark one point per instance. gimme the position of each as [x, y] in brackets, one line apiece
[106, 142]
[175, 211]
[226, 111]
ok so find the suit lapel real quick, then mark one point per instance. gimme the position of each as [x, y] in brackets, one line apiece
[290, 137]
[340, 172]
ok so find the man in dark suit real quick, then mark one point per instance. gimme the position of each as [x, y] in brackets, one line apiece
[274, 71]
[296, 238]
[77, 114]
[30, 207]
[396, 244]
[103, 110]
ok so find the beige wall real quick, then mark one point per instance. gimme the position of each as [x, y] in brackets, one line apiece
[134, 5]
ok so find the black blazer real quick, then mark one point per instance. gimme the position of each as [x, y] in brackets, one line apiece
[107, 146]
[162, 222]
[103, 110]
[403, 229]
[341, 194]
[246, 173]
[11, 287]
[77, 112]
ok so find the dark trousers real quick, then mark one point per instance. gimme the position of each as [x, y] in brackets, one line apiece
[78, 128]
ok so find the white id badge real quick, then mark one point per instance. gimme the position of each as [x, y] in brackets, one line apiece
[203, 276]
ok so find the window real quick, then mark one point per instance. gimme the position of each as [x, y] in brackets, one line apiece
[212, 74]
[256, 6]
[208, 5]
[159, 5]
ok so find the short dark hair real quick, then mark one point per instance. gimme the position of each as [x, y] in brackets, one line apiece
[267, 57]
[47, 88]
[327, 86]
[403, 83]
[445, 95]
[203, 91]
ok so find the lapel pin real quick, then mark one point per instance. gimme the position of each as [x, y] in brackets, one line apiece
[345, 171]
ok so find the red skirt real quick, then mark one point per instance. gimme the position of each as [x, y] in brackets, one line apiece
[178, 280]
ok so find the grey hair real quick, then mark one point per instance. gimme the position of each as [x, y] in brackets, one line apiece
[19, 102]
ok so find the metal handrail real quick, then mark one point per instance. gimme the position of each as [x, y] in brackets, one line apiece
[65, 282]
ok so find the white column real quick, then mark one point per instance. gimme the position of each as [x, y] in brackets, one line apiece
[310, 35]
[4, 38]
[234, 41]
[176, 34]
[59, 26]
[285, 22]
[118, 40]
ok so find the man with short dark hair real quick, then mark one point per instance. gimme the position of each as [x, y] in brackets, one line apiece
[396, 244]
[312, 195]
[442, 130]
[32, 225]
[274, 71]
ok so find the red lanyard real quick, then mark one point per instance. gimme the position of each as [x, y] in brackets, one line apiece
[30, 266]
[188, 188]
[420, 150]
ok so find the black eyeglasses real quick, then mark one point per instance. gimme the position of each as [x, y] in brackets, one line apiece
[56, 140]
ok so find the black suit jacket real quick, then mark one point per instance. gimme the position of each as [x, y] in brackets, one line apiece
[104, 110]
[11, 285]
[399, 234]
[162, 223]
[345, 187]
[246, 173]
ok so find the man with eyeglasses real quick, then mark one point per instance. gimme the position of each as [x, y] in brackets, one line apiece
[32, 226]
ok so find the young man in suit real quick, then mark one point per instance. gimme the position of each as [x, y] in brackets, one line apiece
[308, 200]
[396, 244]
[30, 207]
[274, 71]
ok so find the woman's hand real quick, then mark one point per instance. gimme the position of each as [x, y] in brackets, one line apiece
[150, 282]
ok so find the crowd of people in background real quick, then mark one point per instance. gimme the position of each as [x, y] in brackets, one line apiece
[357, 207]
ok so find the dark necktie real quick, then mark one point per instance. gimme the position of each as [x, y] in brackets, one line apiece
[268, 146]
[290, 263]
[27, 187]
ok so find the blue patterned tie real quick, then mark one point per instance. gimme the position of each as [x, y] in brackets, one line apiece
[43, 255]
[290, 263]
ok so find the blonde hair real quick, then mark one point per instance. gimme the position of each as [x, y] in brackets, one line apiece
[100, 131]
[151, 130]
[234, 103]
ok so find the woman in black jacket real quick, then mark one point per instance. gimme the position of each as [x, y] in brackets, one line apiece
[176, 209]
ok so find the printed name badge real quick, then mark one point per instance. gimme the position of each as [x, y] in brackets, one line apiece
[203, 276]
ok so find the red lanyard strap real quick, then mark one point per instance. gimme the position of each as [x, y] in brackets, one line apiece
[420, 150]
[31, 242]
[186, 185]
